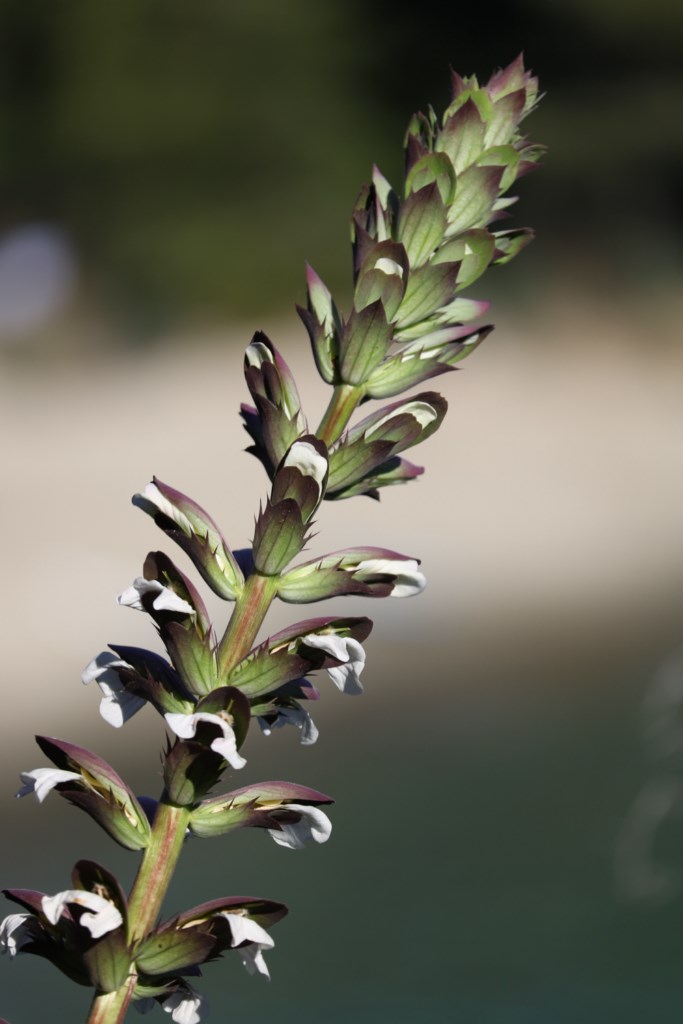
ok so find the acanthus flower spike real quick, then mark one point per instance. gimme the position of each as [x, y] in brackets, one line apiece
[415, 251]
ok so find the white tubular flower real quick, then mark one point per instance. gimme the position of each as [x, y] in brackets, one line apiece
[409, 580]
[102, 916]
[245, 929]
[185, 727]
[314, 825]
[41, 781]
[16, 930]
[117, 705]
[165, 601]
[186, 1006]
[346, 677]
[292, 716]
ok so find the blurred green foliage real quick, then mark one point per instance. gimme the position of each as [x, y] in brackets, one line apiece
[197, 154]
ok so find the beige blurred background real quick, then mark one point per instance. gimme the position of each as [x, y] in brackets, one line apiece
[507, 842]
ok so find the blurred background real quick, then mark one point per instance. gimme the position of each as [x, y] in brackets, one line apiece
[508, 841]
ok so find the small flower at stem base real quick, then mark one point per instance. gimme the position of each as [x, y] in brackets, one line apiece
[186, 1006]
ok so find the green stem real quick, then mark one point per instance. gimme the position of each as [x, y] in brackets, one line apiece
[110, 1007]
[245, 621]
[156, 870]
[345, 398]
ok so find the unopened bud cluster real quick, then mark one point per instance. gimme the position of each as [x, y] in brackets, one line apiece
[415, 252]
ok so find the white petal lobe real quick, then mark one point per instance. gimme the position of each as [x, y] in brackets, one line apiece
[41, 781]
[101, 917]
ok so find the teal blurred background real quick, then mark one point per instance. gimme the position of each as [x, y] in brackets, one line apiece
[508, 841]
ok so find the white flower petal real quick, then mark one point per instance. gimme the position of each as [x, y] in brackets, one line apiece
[102, 916]
[257, 354]
[42, 780]
[154, 495]
[117, 705]
[305, 458]
[185, 727]
[292, 716]
[409, 580]
[330, 643]
[346, 677]
[252, 958]
[423, 412]
[165, 601]
[245, 928]
[388, 266]
[314, 825]
[16, 930]
[186, 1006]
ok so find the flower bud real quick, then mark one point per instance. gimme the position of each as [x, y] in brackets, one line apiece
[373, 572]
[193, 529]
[323, 323]
[274, 391]
[298, 488]
[374, 441]
[431, 355]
